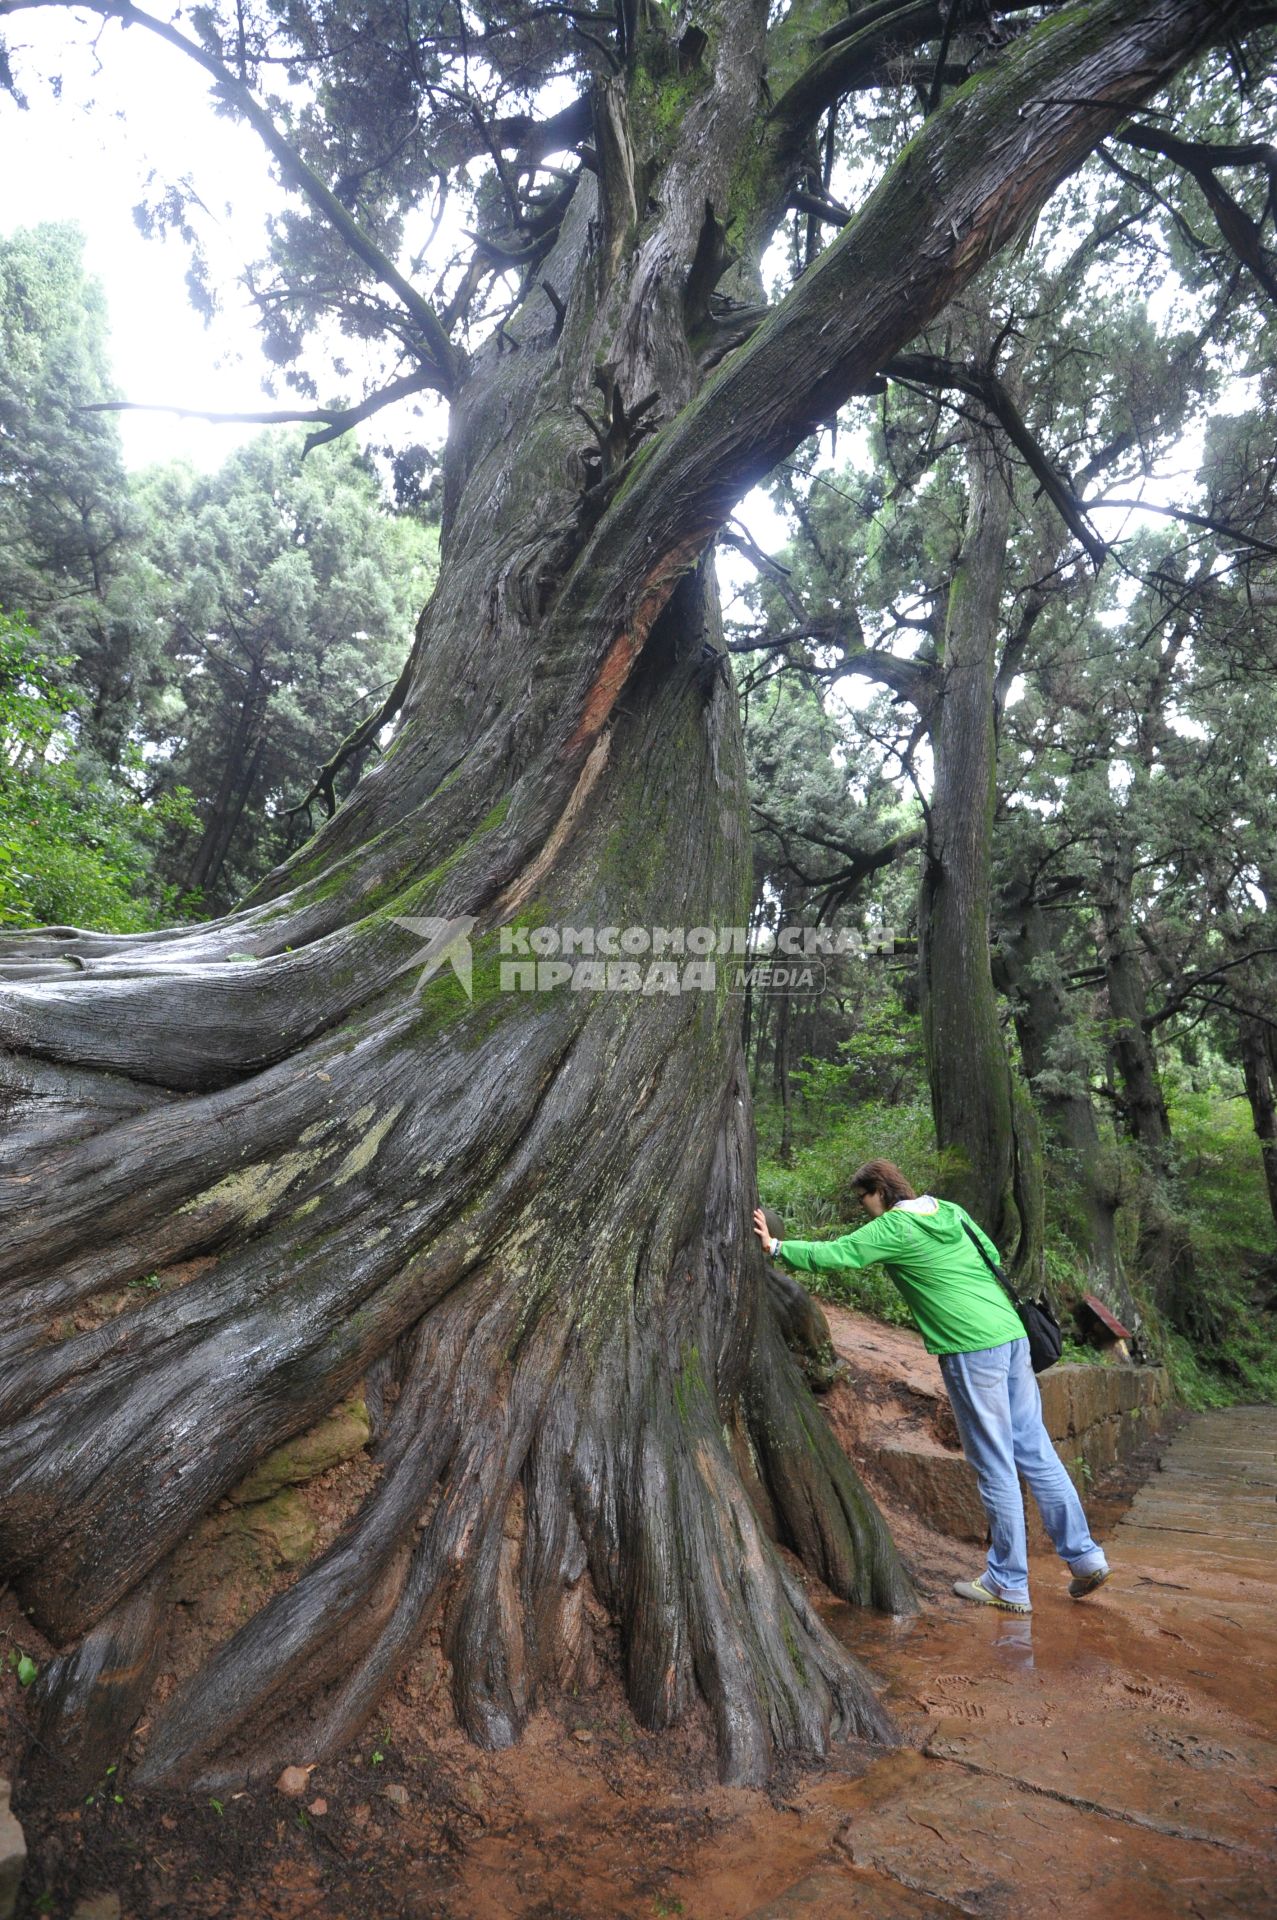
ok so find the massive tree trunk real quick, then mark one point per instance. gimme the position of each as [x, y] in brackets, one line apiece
[984, 1124]
[1164, 1251]
[525, 1210]
[1257, 1042]
[1257, 1038]
[1081, 1169]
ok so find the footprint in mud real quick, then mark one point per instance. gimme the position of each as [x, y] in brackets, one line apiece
[950, 1709]
[1145, 1694]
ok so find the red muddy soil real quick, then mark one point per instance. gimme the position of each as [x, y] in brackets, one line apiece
[1114, 1757]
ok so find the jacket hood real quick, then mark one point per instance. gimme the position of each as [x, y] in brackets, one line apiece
[940, 1218]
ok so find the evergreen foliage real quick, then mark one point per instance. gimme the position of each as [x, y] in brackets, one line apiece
[73, 850]
[183, 650]
[284, 597]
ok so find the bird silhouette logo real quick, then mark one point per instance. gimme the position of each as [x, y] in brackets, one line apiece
[447, 941]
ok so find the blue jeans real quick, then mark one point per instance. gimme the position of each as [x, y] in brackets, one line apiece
[998, 1410]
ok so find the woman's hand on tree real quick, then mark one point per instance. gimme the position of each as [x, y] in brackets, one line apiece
[762, 1230]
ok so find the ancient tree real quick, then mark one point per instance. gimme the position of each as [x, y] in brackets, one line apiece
[521, 1216]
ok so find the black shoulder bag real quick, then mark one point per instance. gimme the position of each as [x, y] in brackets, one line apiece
[1046, 1342]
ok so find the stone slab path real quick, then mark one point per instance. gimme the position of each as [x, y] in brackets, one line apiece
[1110, 1758]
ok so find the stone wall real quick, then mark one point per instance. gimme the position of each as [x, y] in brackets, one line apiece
[1096, 1416]
[1100, 1414]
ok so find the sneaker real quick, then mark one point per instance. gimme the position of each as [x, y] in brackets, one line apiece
[976, 1590]
[1083, 1583]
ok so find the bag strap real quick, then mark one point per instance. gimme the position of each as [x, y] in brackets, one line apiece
[993, 1266]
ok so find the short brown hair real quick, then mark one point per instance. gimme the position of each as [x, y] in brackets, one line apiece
[883, 1178]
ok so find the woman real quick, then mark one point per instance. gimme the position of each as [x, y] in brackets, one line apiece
[967, 1320]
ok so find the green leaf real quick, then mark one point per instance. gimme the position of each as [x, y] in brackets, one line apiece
[27, 1670]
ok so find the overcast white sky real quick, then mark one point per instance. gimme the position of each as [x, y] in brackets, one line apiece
[59, 162]
[151, 109]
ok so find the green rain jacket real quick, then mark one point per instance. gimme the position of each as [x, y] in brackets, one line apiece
[958, 1305]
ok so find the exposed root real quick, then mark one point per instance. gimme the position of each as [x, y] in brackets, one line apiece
[88, 1699]
[496, 1474]
[776, 1680]
[824, 1513]
[168, 1429]
[324, 1652]
[341, 1603]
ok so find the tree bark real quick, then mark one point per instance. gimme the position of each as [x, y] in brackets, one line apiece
[1081, 1170]
[239, 774]
[780, 1072]
[1258, 1045]
[529, 1210]
[984, 1125]
[1164, 1253]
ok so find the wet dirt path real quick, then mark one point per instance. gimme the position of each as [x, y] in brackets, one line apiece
[1101, 1760]
[1115, 1757]
[1111, 1759]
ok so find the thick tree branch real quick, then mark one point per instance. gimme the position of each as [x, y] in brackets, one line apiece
[969, 182]
[892, 13]
[911, 679]
[1204, 162]
[337, 420]
[1209, 521]
[560, 133]
[856, 52]
[1017, 646]
[930, 370]
[1191, 984]
[763, 641]
[819, 208]
[862, 863]
[865, 865]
